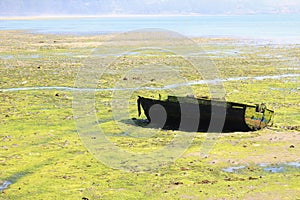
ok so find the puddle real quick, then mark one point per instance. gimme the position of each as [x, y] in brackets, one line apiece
[4, 185]
[20, 56]
[219, 54]
[263, 164]
[286, 89]
[290, 68]
[29, 56]
[277, 168]
[293, 164]
[6, 56]
[64, 54]
[233, 169]
[272, 168]
[35, 56]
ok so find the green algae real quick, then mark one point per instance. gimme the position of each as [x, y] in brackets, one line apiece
[44, 158]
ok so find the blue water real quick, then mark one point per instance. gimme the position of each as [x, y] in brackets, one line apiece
[275, 168]
[283, 28]
[5, 185]
[233, 169]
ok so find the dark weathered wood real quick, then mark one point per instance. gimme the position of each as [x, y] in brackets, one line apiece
[183, 112]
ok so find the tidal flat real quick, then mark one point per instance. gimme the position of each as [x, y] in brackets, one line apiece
[43, 157]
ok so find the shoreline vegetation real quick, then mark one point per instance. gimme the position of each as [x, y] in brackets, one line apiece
[43, 157]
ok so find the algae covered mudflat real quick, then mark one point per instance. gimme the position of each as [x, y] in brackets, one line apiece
[42, 156]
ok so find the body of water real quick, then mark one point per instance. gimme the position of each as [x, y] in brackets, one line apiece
[280, 28]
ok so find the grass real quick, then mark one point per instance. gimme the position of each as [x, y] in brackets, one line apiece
[44, 158]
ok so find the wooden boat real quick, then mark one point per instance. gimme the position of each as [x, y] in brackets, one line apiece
[202, 113]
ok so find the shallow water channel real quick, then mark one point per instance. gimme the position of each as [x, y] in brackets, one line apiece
[172, 86]
[272, 168]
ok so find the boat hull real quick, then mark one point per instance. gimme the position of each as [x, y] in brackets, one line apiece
[191, 114]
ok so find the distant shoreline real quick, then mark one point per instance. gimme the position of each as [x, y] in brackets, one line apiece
[45, 17]
[85, 16]
[268, 28]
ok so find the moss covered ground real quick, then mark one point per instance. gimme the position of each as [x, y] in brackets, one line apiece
[43, 157]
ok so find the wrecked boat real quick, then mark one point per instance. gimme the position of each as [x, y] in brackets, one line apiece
[201, 114]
